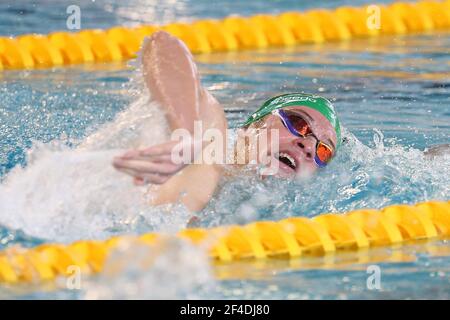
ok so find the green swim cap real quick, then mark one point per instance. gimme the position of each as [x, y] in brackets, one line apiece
[315, 102]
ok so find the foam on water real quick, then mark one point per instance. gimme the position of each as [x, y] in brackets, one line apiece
[64, 194]
[173, 269]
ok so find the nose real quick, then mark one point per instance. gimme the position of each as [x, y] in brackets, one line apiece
[307, 145]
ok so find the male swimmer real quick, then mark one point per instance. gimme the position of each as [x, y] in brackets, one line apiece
[307, 130]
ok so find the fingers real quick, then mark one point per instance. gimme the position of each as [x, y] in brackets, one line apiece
[145, 172]
[172, 151]
[159, 150]
[150, 178]
[155, 159]
[155, 164]
[141, 167]
[141, 179]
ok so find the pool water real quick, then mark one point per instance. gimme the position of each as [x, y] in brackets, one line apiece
[59, 129]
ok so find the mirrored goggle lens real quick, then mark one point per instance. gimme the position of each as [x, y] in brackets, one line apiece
[324, 152]
[299, 124]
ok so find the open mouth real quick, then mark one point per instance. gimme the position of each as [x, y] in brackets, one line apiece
[287, 160]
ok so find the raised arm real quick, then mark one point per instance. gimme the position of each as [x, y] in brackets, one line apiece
[172, 78]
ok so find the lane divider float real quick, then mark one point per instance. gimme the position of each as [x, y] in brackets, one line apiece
[228, 34]
[292, 237]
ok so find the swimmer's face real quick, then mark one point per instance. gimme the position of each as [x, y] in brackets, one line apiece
[295, 156]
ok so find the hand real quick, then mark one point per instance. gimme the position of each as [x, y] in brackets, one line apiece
[153, 165]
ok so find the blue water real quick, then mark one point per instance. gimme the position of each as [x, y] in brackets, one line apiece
[393, 98]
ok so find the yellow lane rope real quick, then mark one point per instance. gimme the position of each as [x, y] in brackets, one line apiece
[228, 34]
[292, 237]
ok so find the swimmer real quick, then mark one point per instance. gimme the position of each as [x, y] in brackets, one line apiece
[307, 125]
[309, 133]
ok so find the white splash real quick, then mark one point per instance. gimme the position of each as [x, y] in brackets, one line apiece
[360, 177]
[67, 194]
[173, 269]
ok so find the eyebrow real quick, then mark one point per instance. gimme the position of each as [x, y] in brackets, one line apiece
[304, 114]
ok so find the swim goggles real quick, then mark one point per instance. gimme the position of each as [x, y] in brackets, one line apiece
[299, 127]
